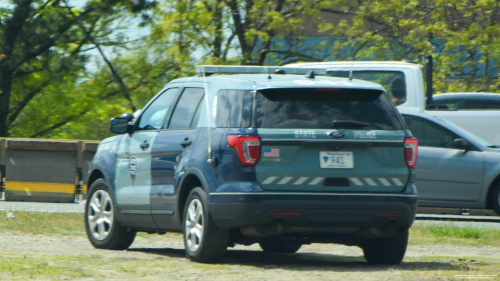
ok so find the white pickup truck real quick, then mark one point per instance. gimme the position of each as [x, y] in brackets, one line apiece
[405, 83]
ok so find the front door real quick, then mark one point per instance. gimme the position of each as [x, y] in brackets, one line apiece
[133, 170]
[443, 172]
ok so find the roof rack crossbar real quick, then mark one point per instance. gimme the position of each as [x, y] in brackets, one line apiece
[244, 69]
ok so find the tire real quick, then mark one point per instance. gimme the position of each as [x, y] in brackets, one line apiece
[495, 199]
[203, 241]
[389, 250]
[101, 225]
[276, 245]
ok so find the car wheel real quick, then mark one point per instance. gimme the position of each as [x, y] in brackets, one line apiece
[276, 245]
[203, 240]
[495, 199]
[389, 250]
[103, 230]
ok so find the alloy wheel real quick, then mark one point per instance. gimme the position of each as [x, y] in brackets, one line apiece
[100, 215]
[194, 225]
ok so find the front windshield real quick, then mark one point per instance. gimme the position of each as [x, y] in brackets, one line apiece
[465, 133]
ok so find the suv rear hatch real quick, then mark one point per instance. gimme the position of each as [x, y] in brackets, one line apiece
[331, 140]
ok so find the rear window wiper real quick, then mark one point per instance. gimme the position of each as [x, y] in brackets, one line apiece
[346, 124]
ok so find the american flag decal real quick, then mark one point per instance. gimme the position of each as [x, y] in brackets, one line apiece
[271, 152]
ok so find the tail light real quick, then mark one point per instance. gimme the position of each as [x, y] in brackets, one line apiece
[247, 147]
[411, 149]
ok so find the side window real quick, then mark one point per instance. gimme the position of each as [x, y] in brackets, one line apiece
[234, 109]
[443, 105]
[184, 112]
[152, 117]
[481, 105]
[196, 117]
[430, 134]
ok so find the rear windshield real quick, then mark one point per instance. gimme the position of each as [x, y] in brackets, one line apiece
[313, 108]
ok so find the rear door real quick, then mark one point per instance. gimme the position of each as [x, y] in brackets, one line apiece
[334, 140]
[444, 173]
[171, 152]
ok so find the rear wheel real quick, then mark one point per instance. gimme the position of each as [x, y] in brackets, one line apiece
[203, 240]
[103, 230]
[389, 250]
[276, 245]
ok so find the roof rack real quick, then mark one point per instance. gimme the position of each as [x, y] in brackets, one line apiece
[245, 69]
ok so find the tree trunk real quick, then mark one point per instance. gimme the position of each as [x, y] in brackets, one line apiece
[6, 87]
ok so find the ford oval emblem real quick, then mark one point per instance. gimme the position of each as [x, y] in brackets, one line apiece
[335, 135]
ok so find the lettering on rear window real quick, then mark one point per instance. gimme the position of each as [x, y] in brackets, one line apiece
[365, 135]
[305, 134]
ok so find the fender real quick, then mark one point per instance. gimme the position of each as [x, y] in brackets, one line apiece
[199, 174]
[100, 168]
[183, 182]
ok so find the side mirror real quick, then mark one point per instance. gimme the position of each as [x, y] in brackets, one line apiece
[460, 143]
[120, 125]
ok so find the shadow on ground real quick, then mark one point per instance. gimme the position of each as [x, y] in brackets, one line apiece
[309, 261]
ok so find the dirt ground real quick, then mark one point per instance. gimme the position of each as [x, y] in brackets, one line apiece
[27, 256]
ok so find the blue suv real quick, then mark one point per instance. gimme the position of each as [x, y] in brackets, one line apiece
[279, 156]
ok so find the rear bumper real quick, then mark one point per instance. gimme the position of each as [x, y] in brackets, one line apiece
[303, 212]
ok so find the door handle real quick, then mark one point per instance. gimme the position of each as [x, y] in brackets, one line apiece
[144, 145]
[185, 142]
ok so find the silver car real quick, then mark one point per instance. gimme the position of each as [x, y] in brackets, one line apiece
[455, 169]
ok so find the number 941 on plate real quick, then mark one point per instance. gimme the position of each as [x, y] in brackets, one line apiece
[336, 159]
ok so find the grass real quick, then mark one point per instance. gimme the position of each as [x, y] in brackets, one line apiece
[449, 234]
[19, 266]
[43, 223]
[240, 264]
[62, 224]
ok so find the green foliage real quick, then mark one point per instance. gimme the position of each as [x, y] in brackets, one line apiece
[462, 36]
[65, 71]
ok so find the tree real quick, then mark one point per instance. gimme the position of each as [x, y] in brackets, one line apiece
[234, 31]
[463, 37]
[42, 54]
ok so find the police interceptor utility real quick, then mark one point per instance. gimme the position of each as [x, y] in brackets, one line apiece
[279, 156]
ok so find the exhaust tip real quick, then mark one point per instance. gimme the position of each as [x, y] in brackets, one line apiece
[275, 228]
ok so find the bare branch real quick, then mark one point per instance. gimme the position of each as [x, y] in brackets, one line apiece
[115, 74]
[339, 12]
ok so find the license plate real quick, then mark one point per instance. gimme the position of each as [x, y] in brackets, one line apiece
[336, 160]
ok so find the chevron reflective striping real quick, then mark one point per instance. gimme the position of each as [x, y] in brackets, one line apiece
[269, 180]
[285, 180]
[316, 181]
[384, 181]
[356, 181]
[370, 181]
[300, 181]
[397, 181]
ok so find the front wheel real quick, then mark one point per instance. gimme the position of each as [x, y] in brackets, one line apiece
[103, 230]
[495, 199]
[203, 240]
[390, 250]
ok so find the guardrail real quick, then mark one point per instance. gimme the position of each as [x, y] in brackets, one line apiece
[44, 170]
